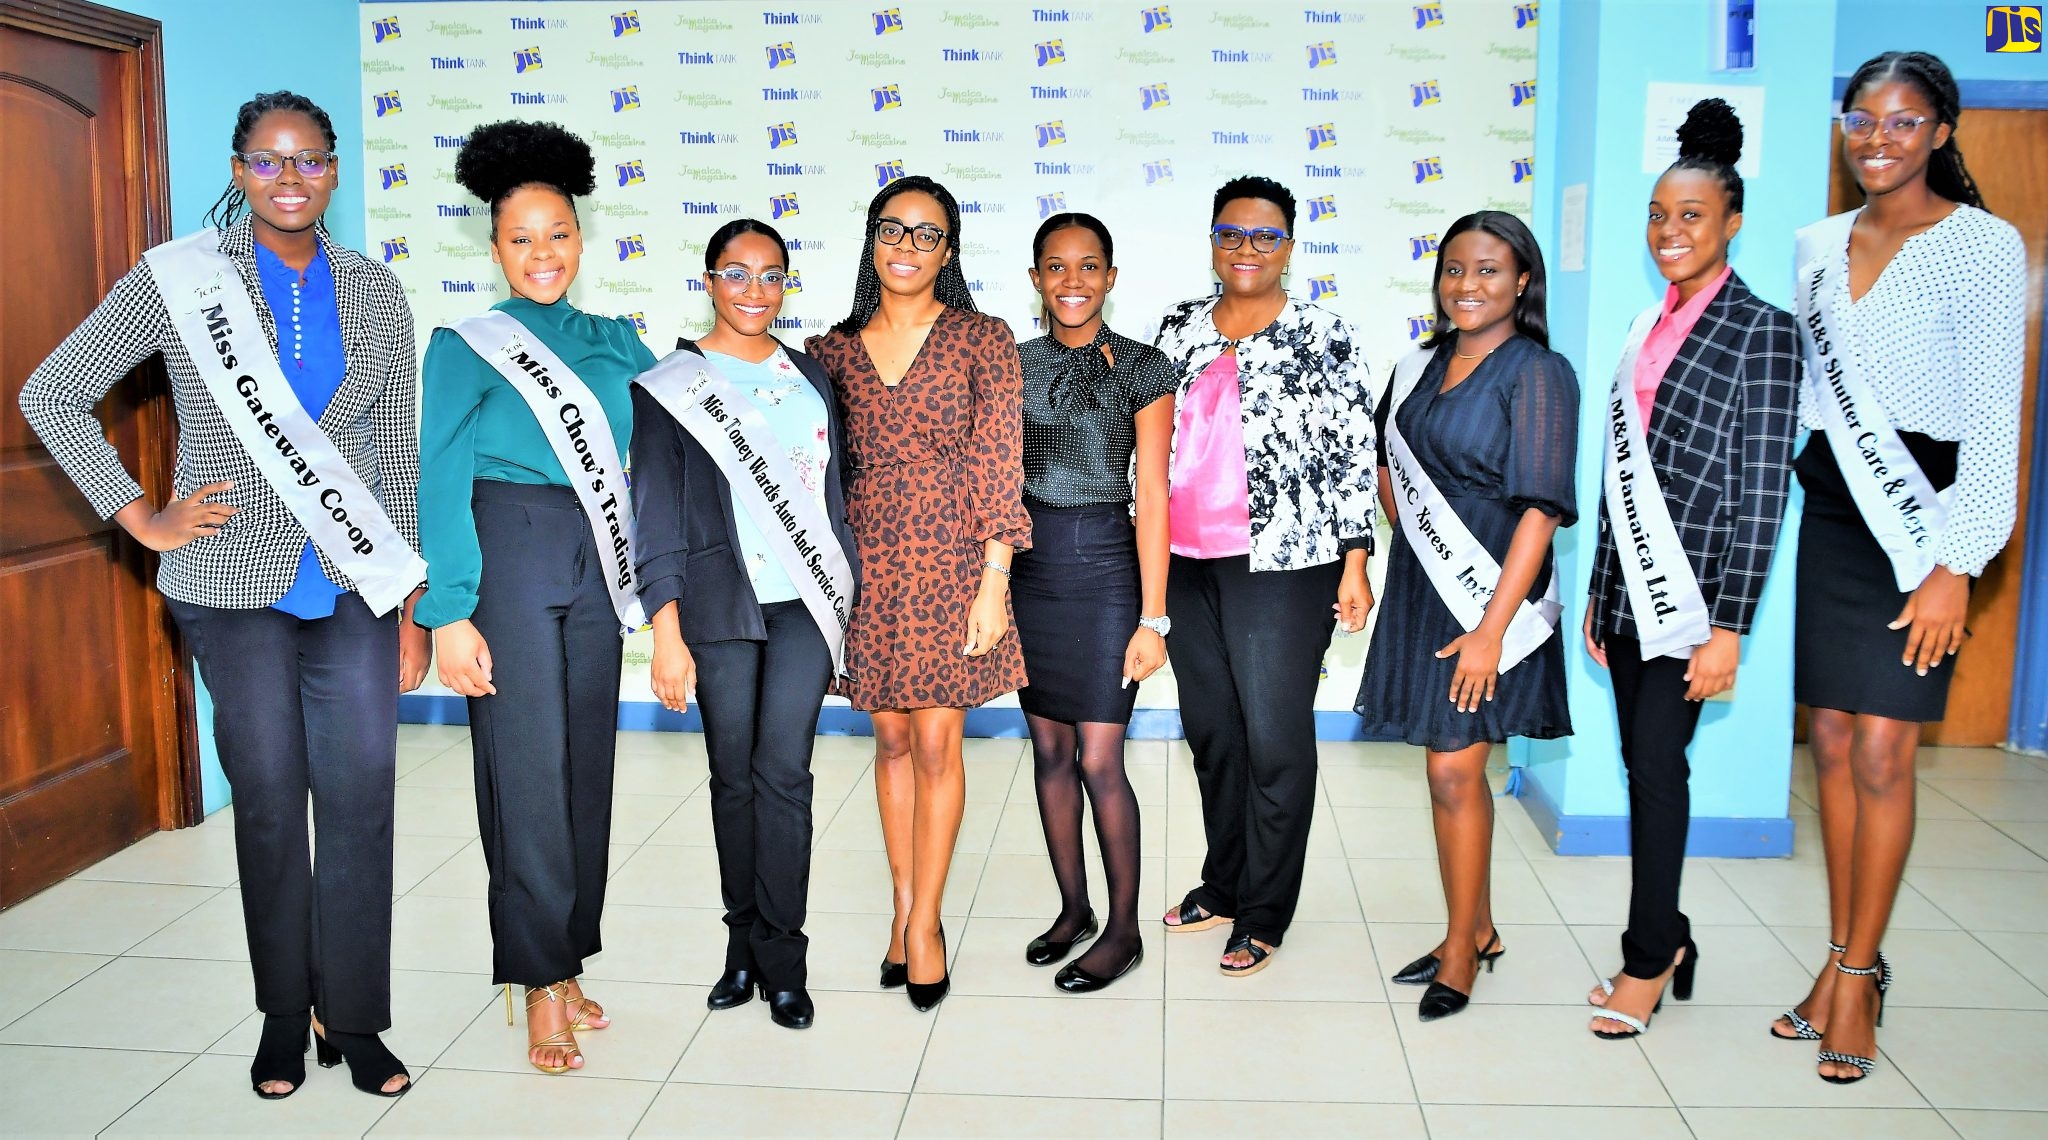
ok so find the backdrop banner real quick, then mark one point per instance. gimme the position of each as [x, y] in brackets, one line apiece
[1387, 121]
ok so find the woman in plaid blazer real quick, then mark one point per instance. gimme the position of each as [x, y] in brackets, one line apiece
[1716, 380]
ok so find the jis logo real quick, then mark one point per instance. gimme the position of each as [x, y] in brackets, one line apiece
[1322, 207]
[1157, 172]
[781, 55]
[1525, 169]
[1424, 93]
[631, 246]
[1321, 287]
[1421, 246]
[385, 28]
[791, 283]
[887, 172]
[1428, 16]
[626, 23]
[525, 60]
[1051, 134]
[1051, 52]
[887, 98]
[1428, 169]
[625, 99]
[1153, 95]
[1322, 137]
[393, 175]
[1417, 326]
[1522, 92]
[1157, 19]
[781, 135]
[1050, 204]
[639, 320]
[387, 104]
[888, 20]
[2012, 28]
[1322, 55]
[1525, 15]
[781, 206]
[631, 173]
[394, 250]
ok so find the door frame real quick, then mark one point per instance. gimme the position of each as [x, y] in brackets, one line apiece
[175, 721]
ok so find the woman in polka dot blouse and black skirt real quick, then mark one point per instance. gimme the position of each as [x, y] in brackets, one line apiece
[1912, 315]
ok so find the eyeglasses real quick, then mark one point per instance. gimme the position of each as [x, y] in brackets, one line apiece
[1264, 239]
[268, 164]
[737, 279]
[923, 238]
[1858, 125]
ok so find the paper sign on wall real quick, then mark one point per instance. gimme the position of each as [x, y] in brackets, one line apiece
[1664, 108]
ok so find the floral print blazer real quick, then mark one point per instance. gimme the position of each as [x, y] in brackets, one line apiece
[1309, 444]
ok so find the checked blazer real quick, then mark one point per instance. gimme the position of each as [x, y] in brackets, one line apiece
[1720, 436]
[372, 420]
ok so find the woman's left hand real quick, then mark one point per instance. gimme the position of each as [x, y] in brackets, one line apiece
[414, 652]
[987, 619]
[1936, 612]
[1144, 655]
[1478, 655]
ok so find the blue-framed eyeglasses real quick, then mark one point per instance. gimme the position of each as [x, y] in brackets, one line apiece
[1264, 239]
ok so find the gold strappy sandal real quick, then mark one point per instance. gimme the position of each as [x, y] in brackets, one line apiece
[564, 1039]
[583, 1009]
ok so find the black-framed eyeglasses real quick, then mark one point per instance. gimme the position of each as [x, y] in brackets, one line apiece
[268, 164]
[737, 279]
[1265, 239]
[923, 238]
[1860, 125]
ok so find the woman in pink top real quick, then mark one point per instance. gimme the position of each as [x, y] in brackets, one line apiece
[1269, 518]
[1715, 383]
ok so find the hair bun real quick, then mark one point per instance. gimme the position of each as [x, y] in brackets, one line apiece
[501, 157]
[1712, 132]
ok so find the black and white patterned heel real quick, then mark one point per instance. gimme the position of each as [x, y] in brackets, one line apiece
[1802, 1029]
[1882, 971]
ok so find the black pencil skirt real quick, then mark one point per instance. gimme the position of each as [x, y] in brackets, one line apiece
[1075, 593]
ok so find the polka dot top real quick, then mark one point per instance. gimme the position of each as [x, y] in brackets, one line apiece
[1941, 339]
[1079, 426]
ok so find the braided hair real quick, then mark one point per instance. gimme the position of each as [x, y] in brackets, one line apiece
[499, 158]
[228, 207]
[1946, 174]
[1710, 141]
[951, 287]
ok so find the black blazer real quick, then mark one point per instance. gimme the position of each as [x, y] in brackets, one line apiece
[1720, 437]
[684, 537]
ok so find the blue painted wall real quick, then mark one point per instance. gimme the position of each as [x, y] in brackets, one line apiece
[216, 56]
[1605, 53]
[1951, 29]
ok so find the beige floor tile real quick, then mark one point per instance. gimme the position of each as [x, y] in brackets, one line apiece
[945, 1116]
[1148, 779]
[1930, 803]
[1970, 1058]
[670, 945]
[1410, 890]
[82, 916]
[857, 882]
[651, 1024]
[1997, 800]
[202, 856]
[667, 876]
[431, 735]
[1233, 1120]
[1594, 892]
[435, 811]
[846, 949]
[635, 817]
[1953, 969]
[215, 1089]
[724, 1111]
[169, 1004]
[1356, 1055]
[989, 962]
[1945, 763]
[450, 935]
[1739, 965]
[1978, 1124]
[78, 1092]
[2031, 835]
[414, 857]
[1185, 838]
[1971, 844]
[1551, 1122]
[460, 1102]
[1513, 821]
[213, 929]
[1984, 900]
[2022, 952]
[1319, 962]
[1554, 1060]
[1376, 787]
[1787, 893]
[428, 1011]
[36, 976]
[1050, 1047]
[453, 767]
[1543, 965]
[1862, 1123]
[1388, 832]
[661, 777]
[1381, 753]
[861, 1043]
[1022, 886]
[1722, 1056]
[462, 875]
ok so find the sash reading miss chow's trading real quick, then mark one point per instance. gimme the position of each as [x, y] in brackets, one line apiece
[764, 484]
[1663, 594]
[576, 428]
[1900, 506]
[1462, 571]
[218, 325]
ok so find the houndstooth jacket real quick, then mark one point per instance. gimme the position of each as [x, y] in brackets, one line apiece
[1720, 437]
[372, 420]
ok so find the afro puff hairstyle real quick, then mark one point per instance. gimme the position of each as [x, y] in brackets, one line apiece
[502, 157]
[1710, 141]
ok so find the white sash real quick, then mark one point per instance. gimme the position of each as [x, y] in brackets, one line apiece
[1462, 571]
[575, 425]
[741, 443]
[1663, 594]
[1900, 506]
[217, 323]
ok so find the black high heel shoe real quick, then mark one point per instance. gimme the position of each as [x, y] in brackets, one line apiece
[895, 973]
[370, 1064]
[1864, 1065]
[281, 1054]
[1440, 1001]
[1422, 971]
[1045, 951]
[925, 996]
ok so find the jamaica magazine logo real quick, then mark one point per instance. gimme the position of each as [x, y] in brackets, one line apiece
[1051, 134]
[625, 99]
[888, 20]
[1429, 16]
[384, 28]
[1322, 136]
[631, 246]
[387, 104]
[525, 60]
[1050, 52]
[1522, 92]
[887, 172]
[1322, 207]
[1429, 169]
[781, 135]
[1525, 16]
[627, 23]
[1156, 19]
[393, 175]
[395, 250]
[781, 55]
[1153, 95]
[781, 206]
[2012, 28]
[1424, 93]
[1421, 246]
[632, 172]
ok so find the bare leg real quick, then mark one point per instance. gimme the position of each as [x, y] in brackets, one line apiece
[895, 796]
[1829, 733]
[941, 780]
[1881, 755]
[1461, 803]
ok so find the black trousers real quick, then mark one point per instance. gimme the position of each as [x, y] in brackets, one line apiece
[1247, 650]
[1657, 724]
[545, 743]
[760, 702]
[309, 706]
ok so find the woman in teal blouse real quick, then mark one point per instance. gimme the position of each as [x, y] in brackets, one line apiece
[520, 587]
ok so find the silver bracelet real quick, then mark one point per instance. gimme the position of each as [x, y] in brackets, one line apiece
[998, 567]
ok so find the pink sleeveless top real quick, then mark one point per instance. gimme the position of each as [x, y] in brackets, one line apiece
[1207, 515]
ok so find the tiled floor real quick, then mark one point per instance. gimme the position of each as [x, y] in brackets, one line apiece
[126, 1007]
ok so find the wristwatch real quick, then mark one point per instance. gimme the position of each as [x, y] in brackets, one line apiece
[1161, 625]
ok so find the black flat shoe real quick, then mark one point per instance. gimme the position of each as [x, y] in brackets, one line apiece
[1440, 1000]
[925, 996]
[1422, 971]
[370, 1064]
[735, 987]
[281, 1054]
[1075, 980]
[1044, 951]
[792, 1009]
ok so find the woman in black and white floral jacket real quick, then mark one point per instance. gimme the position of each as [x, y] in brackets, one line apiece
[1270, 516]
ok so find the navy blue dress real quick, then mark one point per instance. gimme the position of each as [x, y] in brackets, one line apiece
[1501, 442]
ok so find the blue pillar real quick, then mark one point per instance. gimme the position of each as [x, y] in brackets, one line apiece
[1595, 62]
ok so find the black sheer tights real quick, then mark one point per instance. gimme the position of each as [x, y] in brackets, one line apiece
[1069, 757]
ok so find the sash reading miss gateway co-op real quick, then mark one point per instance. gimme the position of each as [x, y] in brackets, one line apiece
[210, 309]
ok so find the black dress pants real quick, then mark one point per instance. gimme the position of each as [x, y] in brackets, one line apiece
[760, 702]
[309, 706]
[1247, 651]
[1657, 724]
[545, 743]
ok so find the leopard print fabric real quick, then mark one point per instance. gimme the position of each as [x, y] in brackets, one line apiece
[935, 468]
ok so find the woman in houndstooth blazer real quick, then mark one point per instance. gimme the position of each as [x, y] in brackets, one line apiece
[1716, 382]
[305, 678]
